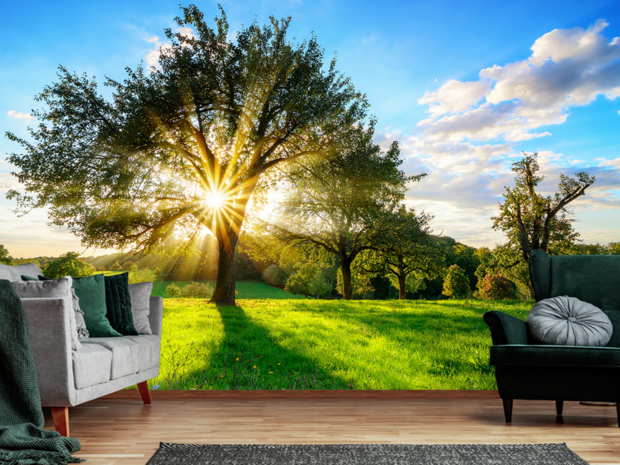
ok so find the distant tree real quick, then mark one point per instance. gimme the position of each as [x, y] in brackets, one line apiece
[467, 259]
[128, 265]
[101, 268]
[299, 282]
[68, 264]
[319, 285]
[184, 146]
[496, 288]
[341, 203]
[173, 290]
[275, 276]
[613, 248]
[456, 283]
[5, 257]
[116, 267]
[532, 221]
[406, 251]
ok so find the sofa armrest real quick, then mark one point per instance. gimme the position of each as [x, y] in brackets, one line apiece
[156, 314]
[50, 340]
[506, 329]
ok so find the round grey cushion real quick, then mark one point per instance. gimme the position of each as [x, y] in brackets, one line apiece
[569, 321]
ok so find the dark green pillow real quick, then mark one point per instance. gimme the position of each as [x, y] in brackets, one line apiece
[118, 303]
[28, 278]
[91, 291]
[614, 316]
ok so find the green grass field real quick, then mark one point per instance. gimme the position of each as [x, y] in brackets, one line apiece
[322, 344]
[245, 290]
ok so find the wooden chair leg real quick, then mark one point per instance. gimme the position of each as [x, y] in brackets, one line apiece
[60, 415]
[145, 393]
[559, 406]
[507, 410]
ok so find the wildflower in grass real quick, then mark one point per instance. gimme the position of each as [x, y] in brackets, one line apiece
[237, 359]
[271, 372]
[254, 366]
[155, 387]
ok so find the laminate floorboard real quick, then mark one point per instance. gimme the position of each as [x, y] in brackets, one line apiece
[124, 431]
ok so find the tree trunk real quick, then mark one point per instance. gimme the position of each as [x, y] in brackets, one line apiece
[224, 293]
[347, 289]
[402, 287]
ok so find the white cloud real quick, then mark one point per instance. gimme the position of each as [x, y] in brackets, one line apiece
[455, 96]
[152, 58]
[27, 117]
[567, 68]
[613, 163]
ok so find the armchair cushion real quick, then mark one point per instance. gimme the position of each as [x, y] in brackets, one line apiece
[555, 356]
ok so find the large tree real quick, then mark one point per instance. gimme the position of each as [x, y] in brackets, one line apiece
[183, 147]
[341, 203]
[532, 221]
[406, 251]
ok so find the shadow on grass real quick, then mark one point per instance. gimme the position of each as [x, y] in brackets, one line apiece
[248, 359]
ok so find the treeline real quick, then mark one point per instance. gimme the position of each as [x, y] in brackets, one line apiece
[465, 271]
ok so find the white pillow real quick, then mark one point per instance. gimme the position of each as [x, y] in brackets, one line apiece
[50, 289]
[140, 294]
[569, 321]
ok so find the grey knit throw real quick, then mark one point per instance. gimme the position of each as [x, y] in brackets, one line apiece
[23, 441]
[366, 454]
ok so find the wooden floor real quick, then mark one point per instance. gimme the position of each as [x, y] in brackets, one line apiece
[124, 431]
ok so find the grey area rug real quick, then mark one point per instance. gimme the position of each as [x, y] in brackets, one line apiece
[366, 454]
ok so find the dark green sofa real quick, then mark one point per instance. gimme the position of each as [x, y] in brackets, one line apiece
[525, 370]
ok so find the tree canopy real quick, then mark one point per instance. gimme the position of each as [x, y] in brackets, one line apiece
[406, 251]
[532, 221]
[342, 203]
[68, 264]
[181, 148]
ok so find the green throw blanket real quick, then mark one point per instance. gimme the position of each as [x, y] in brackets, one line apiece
[23, 441]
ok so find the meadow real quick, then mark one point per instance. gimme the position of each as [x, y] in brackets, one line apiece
[245, 289]
[328, 344]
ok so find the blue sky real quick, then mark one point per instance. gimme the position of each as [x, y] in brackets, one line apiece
[464, 87]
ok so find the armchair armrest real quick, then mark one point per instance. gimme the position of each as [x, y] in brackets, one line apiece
[506, 329]
[156, 314]
[50, 341]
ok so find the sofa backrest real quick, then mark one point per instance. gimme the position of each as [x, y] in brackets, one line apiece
[592, 278]
[14, 273]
